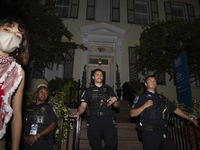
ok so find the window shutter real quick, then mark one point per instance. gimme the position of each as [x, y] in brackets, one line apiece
[69, 63]
[115, 11]
[90, 10]
[74, 9]
[130, 11]
[132, 61]
[168, 11]
[190, 12]
[154, 11]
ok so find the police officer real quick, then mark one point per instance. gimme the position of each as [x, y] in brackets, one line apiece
[99, 98]
[39, 122]
[154, 109]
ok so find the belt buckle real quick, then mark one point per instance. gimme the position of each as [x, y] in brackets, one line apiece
[101, 113]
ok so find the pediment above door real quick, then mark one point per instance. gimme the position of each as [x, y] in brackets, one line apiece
[102, 29]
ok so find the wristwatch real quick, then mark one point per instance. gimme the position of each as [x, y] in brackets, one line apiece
[78, 113]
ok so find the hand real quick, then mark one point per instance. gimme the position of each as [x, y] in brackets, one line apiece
[31, 140]
[111, 101]
[77, 116]
[195, 122]
[148, 103]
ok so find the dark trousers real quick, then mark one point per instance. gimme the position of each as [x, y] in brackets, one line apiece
[102, 127]
[154, 140]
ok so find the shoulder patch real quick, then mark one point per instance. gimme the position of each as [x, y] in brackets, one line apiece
[136, 99]
[160, 96]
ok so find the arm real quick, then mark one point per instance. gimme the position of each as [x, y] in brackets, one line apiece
[80, 110]
[33, 138]
[137, 111]
[16, 123]
[182, 114]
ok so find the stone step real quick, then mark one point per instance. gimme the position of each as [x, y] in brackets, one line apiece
[127, 135]
[122, 145]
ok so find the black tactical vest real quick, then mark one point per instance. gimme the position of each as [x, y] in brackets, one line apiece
[155, 114]
[42, 119]
[99, 98]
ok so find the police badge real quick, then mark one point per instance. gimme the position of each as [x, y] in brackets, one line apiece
[42, 109]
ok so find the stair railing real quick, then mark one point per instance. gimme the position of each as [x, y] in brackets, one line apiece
[76, 132]
[184, 133]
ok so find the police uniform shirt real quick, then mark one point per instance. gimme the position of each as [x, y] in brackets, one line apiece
[50, 111]
[88, 92]
[33, 107]
[158, 100]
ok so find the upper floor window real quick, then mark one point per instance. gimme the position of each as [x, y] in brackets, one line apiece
[103, 10]
[67, 8]
[178, 11]
[185, 12]
[140, 11]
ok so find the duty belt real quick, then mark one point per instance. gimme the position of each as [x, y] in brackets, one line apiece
[101, 113]
[149, 127]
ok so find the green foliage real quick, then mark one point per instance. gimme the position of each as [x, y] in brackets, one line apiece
[192, 112]
[46, 30]
[57, 101]
[138, 87]
[57, 84]
[118, 79]
[66, 90]
[161, 42]
[84, 80]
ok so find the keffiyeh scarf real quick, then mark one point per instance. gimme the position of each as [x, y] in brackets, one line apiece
[10, 79]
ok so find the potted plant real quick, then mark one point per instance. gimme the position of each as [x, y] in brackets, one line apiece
[118, 82]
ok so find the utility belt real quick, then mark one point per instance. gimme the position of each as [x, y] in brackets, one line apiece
[102, 113]
[148, 127]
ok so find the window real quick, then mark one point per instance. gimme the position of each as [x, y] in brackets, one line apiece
[69, 63]
[36, 74]
[138, 11]
[67, 8]
[173, 11]
[103, 10]
[141, 12]
[178, 12]
[132, 61]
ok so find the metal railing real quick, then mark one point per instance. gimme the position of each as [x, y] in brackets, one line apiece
[184, 133]
[76, 132]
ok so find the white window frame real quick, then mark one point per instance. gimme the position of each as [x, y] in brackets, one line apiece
[142, 14]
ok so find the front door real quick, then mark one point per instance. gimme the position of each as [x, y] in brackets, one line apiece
[105, 66]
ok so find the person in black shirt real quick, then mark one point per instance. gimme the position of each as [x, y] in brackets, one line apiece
[154, 110]
[39, 122]
[99, 98]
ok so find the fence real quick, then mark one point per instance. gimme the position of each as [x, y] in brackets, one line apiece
[184, 133]
[75, 136]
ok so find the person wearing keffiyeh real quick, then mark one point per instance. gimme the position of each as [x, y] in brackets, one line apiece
[13, 54]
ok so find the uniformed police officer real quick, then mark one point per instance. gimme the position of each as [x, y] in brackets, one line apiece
[154, 109]
[99, 98]
[39, 122]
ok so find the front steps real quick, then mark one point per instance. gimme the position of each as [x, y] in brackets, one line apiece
[127, 135]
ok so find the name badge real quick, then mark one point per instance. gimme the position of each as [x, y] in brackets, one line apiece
[33, 130]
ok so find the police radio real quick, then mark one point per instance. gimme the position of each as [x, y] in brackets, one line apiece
[165, 111]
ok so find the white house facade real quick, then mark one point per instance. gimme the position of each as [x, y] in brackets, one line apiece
[110, 29]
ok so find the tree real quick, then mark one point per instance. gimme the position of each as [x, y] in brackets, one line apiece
[46, 31]
[161, 42]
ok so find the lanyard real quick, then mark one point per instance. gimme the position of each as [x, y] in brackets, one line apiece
[35, 113]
